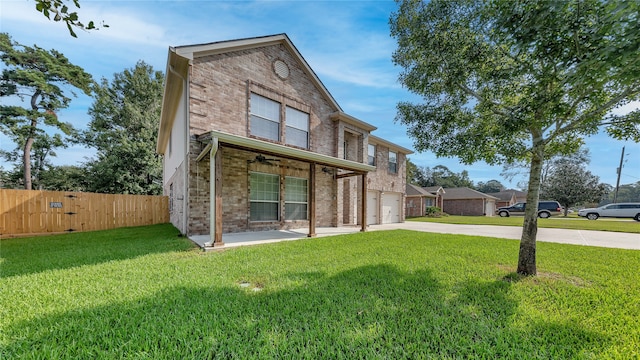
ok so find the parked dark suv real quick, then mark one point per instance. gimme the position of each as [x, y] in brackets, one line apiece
[545, 209]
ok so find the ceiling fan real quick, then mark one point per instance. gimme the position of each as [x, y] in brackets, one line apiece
[262, 160]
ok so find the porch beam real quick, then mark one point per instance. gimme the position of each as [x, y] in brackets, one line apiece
[312, 200]
[363, 211]
[215, 194]
[340, 176]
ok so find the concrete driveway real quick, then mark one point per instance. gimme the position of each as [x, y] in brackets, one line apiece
[563, 236]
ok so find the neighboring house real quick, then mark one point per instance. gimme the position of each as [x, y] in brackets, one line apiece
[438, 191]
[521, 196]
[417, 200]
[465, 201]
[505, 198]
[252, 140]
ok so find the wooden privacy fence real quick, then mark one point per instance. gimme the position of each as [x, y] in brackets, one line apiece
[31, 212]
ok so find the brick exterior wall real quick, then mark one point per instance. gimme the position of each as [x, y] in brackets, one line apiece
[236, 170]
[381, 179]
[470, 207]
[220, 87]
[414, 206]
[219, 99]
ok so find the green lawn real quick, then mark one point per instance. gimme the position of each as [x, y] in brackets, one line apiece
[571, 222]
[146, 293]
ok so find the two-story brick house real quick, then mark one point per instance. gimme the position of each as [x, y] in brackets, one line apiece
[252, 140]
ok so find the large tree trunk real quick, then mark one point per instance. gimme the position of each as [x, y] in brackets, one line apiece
[527, 254]
[26, 158]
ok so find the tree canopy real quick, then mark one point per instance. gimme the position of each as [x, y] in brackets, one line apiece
[123, 129]
[506, 81]
[38, 76]
[570, 184]
[439, 175]
[491, 186]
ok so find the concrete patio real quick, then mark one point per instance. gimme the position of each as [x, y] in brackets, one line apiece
[265, 237]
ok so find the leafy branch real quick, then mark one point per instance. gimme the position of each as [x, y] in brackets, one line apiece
[61, 12]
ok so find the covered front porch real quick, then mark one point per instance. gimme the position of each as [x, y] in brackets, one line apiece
[266, 237]
[312, 167]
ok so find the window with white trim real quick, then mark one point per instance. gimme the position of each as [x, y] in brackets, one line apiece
[264, 197]
[265, 117]
[393, 162]
[372, 155]
[295, 198]
[297, 131]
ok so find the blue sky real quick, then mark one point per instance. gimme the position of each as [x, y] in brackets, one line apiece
[347, 43]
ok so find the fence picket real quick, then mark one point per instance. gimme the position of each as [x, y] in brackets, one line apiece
[30, 212]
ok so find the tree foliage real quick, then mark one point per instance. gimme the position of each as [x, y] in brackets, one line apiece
[570, 184]
[519, 169]
[42, 149]
[60, 11]
[506, 81]
[491, 186]
[626, 193]
[38, 76]
[123, 129]
[439, 175]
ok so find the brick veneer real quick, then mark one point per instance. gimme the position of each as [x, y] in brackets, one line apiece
[221, 84]
[219, 99]
[236, 169]
[472, 207]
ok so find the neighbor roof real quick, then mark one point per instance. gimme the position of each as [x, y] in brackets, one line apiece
[434, 189]
[465, 193]
[503, 195]
[413, 190]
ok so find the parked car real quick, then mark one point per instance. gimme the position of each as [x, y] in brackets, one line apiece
[619, 210]
[545, 209]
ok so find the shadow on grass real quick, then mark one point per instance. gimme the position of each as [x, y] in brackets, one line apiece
[23, 256]
[366, 312]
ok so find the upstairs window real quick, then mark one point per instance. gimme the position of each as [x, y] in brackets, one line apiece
[393, 162]
[265, 118]
[372, 155]
[297, 132]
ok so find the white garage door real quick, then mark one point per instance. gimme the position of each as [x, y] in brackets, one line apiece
[372, 207]
[391, 207]
[490, 209]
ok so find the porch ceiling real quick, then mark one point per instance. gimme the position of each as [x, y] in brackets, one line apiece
[272, 149]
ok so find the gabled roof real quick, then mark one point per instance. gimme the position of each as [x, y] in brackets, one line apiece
[339, 115]
[464, 193]
[518, 193]
[504, 195]
[413, 190]
[376, 140]
[178, 61]
[434, 189]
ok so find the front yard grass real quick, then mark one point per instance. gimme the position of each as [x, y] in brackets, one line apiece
[145, 293]
[557, 222]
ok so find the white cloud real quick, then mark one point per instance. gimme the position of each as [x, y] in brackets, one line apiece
[626, 108]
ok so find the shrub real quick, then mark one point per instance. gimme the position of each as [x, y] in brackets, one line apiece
[434, 211]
